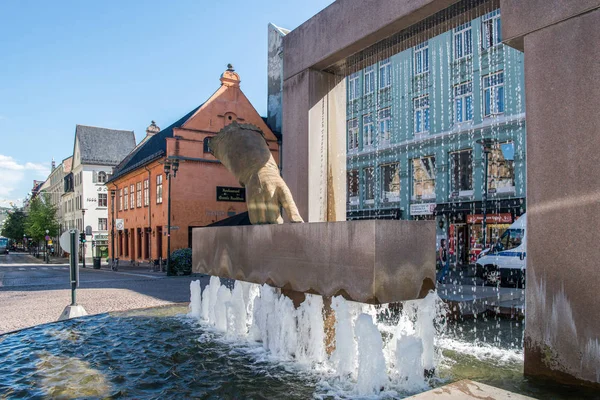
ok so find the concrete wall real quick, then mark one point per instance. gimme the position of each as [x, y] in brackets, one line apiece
[562, 49]
[348, 26]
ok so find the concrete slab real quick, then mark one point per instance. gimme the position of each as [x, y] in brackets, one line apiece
[72, 312]
[367, 261]
[466, 390]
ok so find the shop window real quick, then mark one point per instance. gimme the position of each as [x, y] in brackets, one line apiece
[353, 194]
[390, 182]
[461, 173]
[501, 168]
[423, 170]
[369, 185]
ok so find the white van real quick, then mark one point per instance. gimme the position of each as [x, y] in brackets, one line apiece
[506, 261]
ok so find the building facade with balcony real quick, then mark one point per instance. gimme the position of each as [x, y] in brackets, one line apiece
[413, 122]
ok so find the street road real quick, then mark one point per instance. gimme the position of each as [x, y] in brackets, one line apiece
[32, 292]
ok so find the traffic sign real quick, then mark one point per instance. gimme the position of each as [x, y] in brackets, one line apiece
[65, 240]
[119, 224]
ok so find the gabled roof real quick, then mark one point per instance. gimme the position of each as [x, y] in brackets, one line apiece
[101, 146]
[153, 148]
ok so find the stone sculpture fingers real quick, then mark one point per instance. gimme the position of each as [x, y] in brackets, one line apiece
[287, 202]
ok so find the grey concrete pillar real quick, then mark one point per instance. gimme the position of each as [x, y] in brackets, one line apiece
[314, 146]
[562, 83]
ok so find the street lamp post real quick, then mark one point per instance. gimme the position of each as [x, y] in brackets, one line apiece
[46, 248]
[83, 244]
[170, 165]
[487, 148]
[112, 229]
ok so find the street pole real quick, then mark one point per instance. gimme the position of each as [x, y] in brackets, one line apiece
[83, 244]
[46, 248]
[484, 197]
[169, 177]
[486, 144]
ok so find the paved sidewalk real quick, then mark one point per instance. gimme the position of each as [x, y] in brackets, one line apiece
[35, 293]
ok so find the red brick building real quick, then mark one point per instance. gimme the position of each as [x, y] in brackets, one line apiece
[140, 186]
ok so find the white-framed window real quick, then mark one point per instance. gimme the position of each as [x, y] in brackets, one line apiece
[421, 114]
[369, 79]
[353, 86]
[421, 58]
[423, 171]
[125, 198]
[101, 177]
[368, 131]
[385, 121]
[463, 102]
[385, 73]
[461, 173]
[102, 224]
[146, 192]
[463, 41]
[390, 182]
[493, 94]
[353, 134]
[120, 199]
[102, 200]
[132, 196]
[501, 168]
[138, 194]
[491, 32]
[353, 193]
[369, 185]
[159, 189]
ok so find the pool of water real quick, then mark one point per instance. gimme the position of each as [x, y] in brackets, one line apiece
[162, 354]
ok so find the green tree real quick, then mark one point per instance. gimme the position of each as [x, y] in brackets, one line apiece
[14, 226]
[41, 217]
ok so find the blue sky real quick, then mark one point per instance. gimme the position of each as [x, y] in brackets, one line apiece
[120, 64]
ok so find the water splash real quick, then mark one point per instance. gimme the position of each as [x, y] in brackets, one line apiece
[376, 351]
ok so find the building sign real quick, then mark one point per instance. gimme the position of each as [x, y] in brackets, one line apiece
[503, 218]
[100, 237]
[231, 194]
[422, 209]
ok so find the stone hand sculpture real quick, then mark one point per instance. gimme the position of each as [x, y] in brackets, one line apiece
[243, 150]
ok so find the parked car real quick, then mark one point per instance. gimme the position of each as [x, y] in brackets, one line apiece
[3, 245]
[505, 262]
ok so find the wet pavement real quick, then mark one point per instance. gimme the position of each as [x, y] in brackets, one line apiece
[33, 292]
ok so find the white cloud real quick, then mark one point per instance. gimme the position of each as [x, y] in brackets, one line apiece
[13, 175]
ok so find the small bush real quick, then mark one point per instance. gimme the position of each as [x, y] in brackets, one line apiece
[181, 262]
